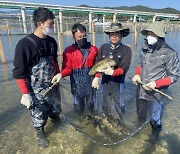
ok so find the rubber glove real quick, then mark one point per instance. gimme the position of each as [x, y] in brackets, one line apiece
[26, 100]
[150, 86]
[108, 71]
[136, 79]
[56, 78]
[95, 83]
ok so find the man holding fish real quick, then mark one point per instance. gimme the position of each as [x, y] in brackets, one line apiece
[117, 58]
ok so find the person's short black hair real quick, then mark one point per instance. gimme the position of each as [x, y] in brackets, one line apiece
[41, 15]
[77, 27]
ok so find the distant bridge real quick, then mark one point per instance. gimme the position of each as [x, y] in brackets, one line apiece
[60, 9]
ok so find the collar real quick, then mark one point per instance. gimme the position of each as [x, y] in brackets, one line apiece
[116, 45]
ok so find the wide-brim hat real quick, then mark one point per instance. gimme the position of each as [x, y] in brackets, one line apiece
[157, 28]
[117, 27]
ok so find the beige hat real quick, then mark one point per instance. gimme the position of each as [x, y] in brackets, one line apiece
[116, 27]
[157, 28]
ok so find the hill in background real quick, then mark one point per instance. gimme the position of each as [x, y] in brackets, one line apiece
[141, 8]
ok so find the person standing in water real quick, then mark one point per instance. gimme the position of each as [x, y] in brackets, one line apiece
[158, 68]
[113, 78]
[35, 64]
[78, 59]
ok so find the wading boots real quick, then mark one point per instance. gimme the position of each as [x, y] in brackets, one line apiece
[42, 138]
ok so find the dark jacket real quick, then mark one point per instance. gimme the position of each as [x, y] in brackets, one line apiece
[121, 55]
[28, 53]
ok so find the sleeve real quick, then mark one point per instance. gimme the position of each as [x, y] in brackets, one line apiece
[21, 83]
[98, 75]
[56, 50]
[163, 82]
[172, 67]
[56, 65]
[139, 67]
[138, 70]
[67, 64]
[20, 62]
[20, 68]
[125, 62]
[118, 72]
[172, 70]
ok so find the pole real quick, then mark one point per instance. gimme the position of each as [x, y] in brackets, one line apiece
[156, 90]
[3, 59]
[59, 42]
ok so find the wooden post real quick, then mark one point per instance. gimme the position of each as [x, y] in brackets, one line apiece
[32, 26]
[10, 40]
[90, 22]
[93, 35]
[135, 35]
[59, 42]
[134, 53]
[3, 59]
[8, 28]
[67, 29]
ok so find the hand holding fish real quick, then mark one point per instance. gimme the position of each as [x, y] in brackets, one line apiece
[107, 71]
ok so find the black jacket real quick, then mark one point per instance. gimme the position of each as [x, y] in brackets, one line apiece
[28, 52]
[121, 55]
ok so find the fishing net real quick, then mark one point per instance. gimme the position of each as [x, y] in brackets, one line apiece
[106, 125]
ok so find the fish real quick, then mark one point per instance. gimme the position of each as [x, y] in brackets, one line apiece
[101, 65]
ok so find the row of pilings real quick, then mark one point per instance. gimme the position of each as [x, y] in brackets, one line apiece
[13, 27]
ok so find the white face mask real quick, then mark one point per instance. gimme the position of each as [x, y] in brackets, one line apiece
[151, 39]
[48, 31]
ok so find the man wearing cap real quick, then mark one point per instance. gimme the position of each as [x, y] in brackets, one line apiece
[158, 68]
[113, 78]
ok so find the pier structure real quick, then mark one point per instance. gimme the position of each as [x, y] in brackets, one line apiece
[60, 9]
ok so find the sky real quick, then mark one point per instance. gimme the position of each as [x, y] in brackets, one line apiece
[156, 4]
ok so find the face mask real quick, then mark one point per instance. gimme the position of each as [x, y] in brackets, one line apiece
[82, 42]
[48, 31]
[151, 39]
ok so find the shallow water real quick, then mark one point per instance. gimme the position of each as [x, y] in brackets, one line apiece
[18, 136]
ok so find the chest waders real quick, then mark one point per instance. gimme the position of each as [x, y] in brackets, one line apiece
[81, 85]
[113, 88]
[40, 80]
